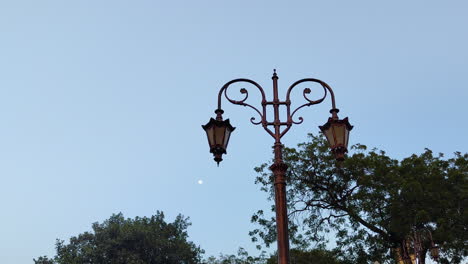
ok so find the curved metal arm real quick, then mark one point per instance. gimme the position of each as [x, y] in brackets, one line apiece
[243, 90]
[325, 87]
[310, 102]
[277, 134]
[242, 102]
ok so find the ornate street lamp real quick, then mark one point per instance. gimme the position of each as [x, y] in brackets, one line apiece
[219, 131]
[337, 133]
[435, 252]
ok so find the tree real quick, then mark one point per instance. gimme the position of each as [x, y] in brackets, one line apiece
[297, 256]
[315, 256]
[371, 202]
[43, 260]
[242, 257]
[118, 240]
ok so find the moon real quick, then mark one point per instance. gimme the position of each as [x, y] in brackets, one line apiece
[200, 182]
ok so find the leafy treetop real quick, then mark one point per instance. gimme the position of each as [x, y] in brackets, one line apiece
[142, 240]
[370, 201]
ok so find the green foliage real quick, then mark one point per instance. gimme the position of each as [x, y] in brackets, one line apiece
[43, 260]
[242, 257]
[129, 241]
[370, 201]
[315, 256]
[297, 256]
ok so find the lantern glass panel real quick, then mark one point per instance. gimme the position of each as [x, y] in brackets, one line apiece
[346, 137]
[338, 133]
[435, 252]
[219, 132]
[227, 135]
[330, 137]
[210, 134]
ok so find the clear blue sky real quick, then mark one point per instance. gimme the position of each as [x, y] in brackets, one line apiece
[101, 103]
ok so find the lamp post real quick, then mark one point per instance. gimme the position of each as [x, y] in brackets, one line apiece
[336, 131]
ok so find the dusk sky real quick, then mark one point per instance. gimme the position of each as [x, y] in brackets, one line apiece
[102, 102]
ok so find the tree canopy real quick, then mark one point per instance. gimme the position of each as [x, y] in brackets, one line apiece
[242, 257]
[297, 256]
[315, 256]
[142, 240]
[152, 240]
[372, 203]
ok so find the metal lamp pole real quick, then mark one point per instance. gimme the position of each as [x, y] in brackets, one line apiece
[336, 131]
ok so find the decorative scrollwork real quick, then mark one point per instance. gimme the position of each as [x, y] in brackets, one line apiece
[252, 120]
[311, 102]
[277, 133]
[242, 101]
[297, 122]
[305, 93]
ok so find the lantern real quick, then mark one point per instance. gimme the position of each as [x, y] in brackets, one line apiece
[435, 252]
[398, 257]
[218, 133]
[404, 258]
[337, 133]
